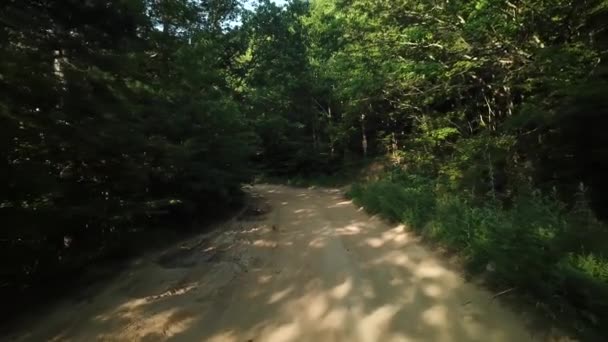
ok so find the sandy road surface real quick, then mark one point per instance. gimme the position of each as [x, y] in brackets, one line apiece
[313, 268]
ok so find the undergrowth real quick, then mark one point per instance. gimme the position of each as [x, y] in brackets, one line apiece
[534, 244]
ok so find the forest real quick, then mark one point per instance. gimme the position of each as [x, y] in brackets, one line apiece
[125, 119]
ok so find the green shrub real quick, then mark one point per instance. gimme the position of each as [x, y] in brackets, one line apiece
[522, 245]
[404, 199]
[593, 266]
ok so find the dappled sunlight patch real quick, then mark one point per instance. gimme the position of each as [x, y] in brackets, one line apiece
[429, 269]
[352, 229]
[374, 242]
[125, 310]
[264, 279]
[342, 290]
[283, 333]
[303, 211]
[400, 259]
[318, 242]
[435, 316]
[265, 243]
[432, 290]
[434, 271]
[340, 204]
[335, 319]
[316, 306]
[167, 323]
[395, 238]
[277, 297]
[373, 326]
[228, 336]
[396, 258]
[178, 321]
[398, 235]
[209, 249]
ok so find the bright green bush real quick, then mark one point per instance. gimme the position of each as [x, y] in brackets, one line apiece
[591, 265]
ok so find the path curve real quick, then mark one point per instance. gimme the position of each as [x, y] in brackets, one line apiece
[312, 268]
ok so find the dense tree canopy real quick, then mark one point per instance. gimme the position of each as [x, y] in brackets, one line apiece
[118, 117]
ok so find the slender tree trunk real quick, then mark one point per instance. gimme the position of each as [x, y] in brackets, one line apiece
[363, 136]
[332, 145]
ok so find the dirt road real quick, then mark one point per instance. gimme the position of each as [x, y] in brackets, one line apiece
[312, 268]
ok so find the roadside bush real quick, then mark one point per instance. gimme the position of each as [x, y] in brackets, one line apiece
[521, 246]
[400, 198]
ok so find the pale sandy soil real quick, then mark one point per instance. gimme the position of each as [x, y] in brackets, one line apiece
[312, 268]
